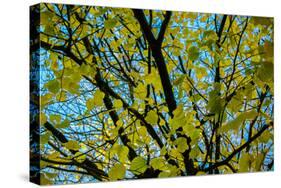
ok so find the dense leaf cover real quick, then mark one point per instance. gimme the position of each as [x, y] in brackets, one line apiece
[129, 94]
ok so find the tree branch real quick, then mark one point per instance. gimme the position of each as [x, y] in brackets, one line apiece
[139, 15]
[88, 165]
[155, 47]
[164, 26]
[239, 149]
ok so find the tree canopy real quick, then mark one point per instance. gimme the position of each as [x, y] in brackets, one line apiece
[120, 93]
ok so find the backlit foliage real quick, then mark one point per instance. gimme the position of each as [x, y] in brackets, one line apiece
[128, 94]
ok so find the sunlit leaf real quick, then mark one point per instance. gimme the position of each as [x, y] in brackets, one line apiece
[117, 172]
[53, 86]
[72, 145]
[138, 165]
[193, 53]
[152, 117]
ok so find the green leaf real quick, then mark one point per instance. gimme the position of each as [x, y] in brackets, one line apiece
[140, 91]
[53, 86]
[244, 162]
[64, 124]
[117, 172]
[158, 163]
[142, 131]
[262, 21]
[265, 72]
[194, 135]
[268, 51]
[121, 151]
[181, 144]
[164, 174]
[50, 175]
[209, 38]
[86, 69]
[138, 165]
[54, 156]
[169, 171]
[199, 173]
[80, 157]
[163, 151]
[118, 103]
[195, 151]
[90, 104]
[174, 153]
[42, 118]
[44, 180]
[210, 34]
[179, 80]
[259, 161]
[236, 103]
[178, 112]
[110, 23]
[266, 136]
[71, 84]
[55, 118]
[179, 118]
[72, 145]
[193, 53]
[151, 117]
[235, 124]
[215, 102]
[45, 137]
[97, 100]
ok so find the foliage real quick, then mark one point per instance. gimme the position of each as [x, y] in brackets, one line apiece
[129, 93]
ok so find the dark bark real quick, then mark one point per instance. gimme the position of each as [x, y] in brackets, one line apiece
[88, 165]
[239, 149]
[155, 46]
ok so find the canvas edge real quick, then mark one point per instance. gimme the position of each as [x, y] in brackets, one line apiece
[34, 103]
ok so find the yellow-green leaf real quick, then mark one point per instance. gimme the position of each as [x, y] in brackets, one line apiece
[118, 103]
[72, 145]
[140, 91]
[235, 124]
[138, 165]
[244, 162]
[117, 172]
[80, 157]
[121, 151]
[64, 124]
[97, 100]
[53, 86]
[55, 118]
[42, 118]
[86, 69]
[193, 53]
[181, 144]
[158, 163]
[110, 23]
[151, 117]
